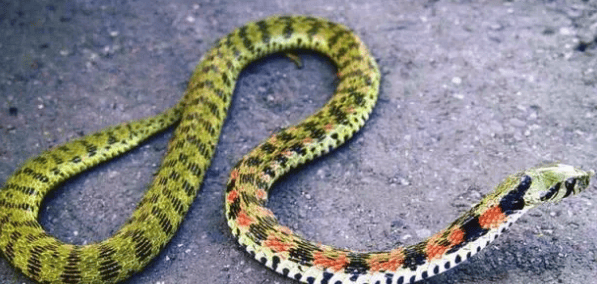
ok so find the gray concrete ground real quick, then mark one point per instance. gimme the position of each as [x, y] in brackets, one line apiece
[472, 91]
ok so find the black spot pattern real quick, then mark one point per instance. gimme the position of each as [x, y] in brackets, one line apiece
[8, 249]
[303, 253]
[252, 161]
[142, 245]
[34, 262]
[472, 229]
[458, 259]
[268, 148]
[38, 176]
[71, 273]
[413, 259]
[357, 266]
[514, 200]
[326, 277]
[551, 192]
[265, 34]
[234, 209]
[163, 220]
[269, 171]
[275, 262]
[569, 183]
[109, 267]
[281, 160]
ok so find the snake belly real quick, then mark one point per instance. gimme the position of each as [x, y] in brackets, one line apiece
[200, 115]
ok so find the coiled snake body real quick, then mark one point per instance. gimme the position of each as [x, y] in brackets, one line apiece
[200, 114]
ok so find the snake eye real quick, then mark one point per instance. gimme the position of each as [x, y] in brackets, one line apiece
[569, 183]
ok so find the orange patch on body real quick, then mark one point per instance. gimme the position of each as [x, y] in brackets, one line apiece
[261, 194]
[277, 245]
[264, 212]
[265, 177]
[492, 218]
[234, 174]
[273, 140]
[386, 262]
[456, 236]
[436, 246]
[285, 230]
[328, 127]
[243, 220]
[232, 196]
[335, 263]
[435, 250]
[308, 140]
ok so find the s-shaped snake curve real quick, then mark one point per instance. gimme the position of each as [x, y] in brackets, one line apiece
[200, 115]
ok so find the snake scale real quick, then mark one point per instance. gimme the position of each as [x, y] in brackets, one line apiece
[200, 115]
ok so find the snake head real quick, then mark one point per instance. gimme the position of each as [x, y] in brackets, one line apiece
[555, 182]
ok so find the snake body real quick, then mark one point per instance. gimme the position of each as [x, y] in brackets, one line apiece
[201, 112]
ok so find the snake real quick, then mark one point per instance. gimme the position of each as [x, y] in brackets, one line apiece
[200, 115]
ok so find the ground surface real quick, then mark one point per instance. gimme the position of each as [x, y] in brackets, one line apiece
[471, 92]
